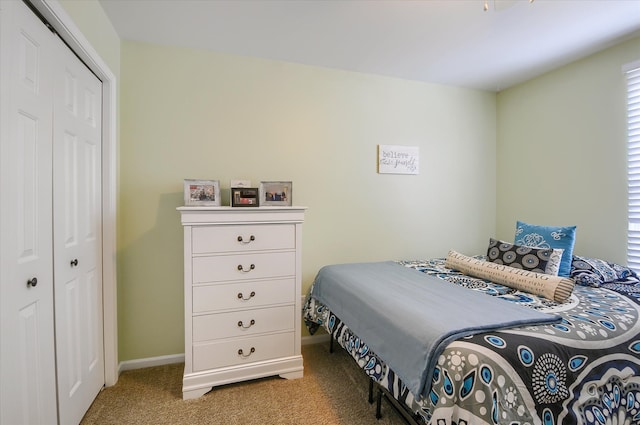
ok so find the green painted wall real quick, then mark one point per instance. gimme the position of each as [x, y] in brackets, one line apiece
[562, 152]
[549, 151]
[196, 114]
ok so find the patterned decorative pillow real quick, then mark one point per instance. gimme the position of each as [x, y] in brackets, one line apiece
[539, 260]
[595, 272]
[549, 237]
[624, 273]
[555, 288]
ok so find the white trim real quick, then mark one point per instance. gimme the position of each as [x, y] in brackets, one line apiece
[151, 362]
[316, 339]
[67, 29]
[179, 358]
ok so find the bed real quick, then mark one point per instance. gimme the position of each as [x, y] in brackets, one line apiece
[582, 367]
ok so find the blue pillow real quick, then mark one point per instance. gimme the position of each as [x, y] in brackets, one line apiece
[549, 237]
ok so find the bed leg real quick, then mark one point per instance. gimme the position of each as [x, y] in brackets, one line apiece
[370, 391]
[379, 404]
[331, 344]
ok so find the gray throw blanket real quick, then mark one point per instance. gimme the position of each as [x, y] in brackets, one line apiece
[408, 317]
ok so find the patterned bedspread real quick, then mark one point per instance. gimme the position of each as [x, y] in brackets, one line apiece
[584, 370]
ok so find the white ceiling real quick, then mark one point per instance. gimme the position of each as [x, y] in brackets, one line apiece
[450, 42]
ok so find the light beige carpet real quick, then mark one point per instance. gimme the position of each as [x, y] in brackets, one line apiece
[333, 391]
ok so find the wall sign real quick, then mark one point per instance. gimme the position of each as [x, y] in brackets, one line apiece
[398, 159]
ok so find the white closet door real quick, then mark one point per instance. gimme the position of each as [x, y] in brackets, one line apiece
[27, 360]
[77, 232]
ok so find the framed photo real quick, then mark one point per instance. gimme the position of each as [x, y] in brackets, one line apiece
[245, 197]
[202, 192]
[275, 193]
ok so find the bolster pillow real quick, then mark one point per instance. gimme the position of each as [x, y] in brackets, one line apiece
[552, 287]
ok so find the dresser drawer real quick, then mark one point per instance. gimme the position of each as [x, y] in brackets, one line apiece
[227, 238]
[230, 296]
[227, 352]
[219, 268]
[242, 323]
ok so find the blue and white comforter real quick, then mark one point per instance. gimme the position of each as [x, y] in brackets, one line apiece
[584, 370]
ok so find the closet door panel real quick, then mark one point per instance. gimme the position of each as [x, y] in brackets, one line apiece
[27, 356]
[77, 237]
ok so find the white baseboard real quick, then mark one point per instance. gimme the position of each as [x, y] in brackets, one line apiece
[315, 339]
[150, 362]
[179, 358]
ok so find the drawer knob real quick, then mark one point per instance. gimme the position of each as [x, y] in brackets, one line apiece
[241, 325]
[251, 295]
[251, 239]
[31, 283]
[241, 353]
[241, 268]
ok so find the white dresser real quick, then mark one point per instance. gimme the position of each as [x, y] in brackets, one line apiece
[242, 278]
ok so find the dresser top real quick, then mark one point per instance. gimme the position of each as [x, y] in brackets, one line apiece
[239, 209]
[202, 215]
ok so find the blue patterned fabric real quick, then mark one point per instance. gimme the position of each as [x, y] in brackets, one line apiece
[596, 272]
[549, 237]
[584, 370]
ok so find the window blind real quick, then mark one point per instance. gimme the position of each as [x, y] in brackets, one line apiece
[633, 166]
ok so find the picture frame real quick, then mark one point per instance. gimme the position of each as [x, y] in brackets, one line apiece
[202, 192]
[245, 197]
[394, 159]
[276, 193]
